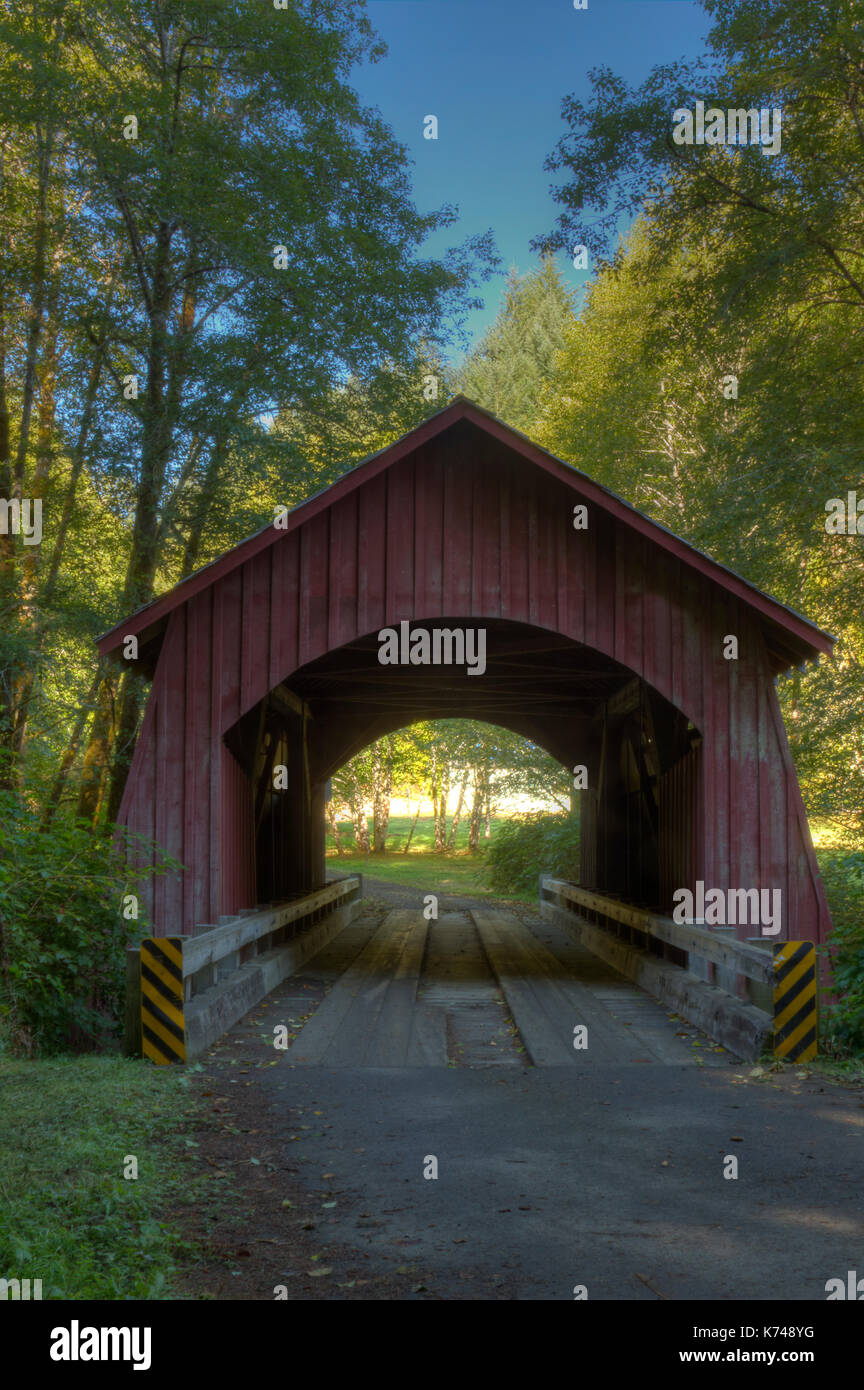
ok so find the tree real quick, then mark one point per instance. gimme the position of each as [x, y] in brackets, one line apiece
[715, 375]
[509, 370]
[186, 192]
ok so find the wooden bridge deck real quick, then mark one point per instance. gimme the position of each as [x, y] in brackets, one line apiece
[481, 989]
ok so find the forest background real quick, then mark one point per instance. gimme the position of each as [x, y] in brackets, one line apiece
[186, 195]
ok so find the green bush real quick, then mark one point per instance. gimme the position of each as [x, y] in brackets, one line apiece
[528, 845]
[843, 1020]
[62, 932]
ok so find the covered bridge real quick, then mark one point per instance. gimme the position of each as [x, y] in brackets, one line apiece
[606, 643]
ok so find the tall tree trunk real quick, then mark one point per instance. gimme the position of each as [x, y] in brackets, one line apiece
[476, 809]
[440, 795]
[96, 758]
[382, 764]
[213, 471]
[79, 449]
[458, 812]
[361, 825]
[165, 380]
[413, 825]
[28, 615]
[35, 314]
[7, 545]
[334, 826]
[66, 762]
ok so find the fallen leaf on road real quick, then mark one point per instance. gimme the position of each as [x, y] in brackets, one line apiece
[651, 1287]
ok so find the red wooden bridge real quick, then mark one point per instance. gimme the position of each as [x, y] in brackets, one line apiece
[605, 645]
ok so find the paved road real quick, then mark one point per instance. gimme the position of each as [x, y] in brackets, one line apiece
[556, 1167]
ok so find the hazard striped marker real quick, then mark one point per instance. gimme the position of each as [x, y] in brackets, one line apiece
[163, 1027]
[795, 1001]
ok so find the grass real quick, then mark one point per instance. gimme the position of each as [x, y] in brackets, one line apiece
[67, 1214]
[421, 868]
[423, 839]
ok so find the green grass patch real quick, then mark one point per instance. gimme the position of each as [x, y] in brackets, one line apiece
[427, 873]
[67, 1214]
[423, 839]
[458, 871]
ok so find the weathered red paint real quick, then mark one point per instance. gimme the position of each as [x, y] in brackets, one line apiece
[466, 520]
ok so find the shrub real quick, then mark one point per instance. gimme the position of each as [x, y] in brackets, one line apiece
[62, 933]
[843, 1020]
[528, 845]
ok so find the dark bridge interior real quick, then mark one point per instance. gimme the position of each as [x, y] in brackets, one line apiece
[641, 754]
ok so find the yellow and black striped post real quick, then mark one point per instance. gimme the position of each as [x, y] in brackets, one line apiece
[795, 1001]
[163, 1027]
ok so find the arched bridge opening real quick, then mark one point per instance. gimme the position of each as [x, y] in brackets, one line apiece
[633, 757]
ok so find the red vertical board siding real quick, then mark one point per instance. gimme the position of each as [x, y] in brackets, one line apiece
[399, 542]
[808, 907]
[371, 556]
[552, 507]
[587, 541]
[573, 550]
[170, 773]
[196, 792]
[217, 648]
[231, 629]
[255, 644]
[740, 805]
[430, 543]
[747, 764]
[342, 586]
[562, 553]
[628, 597]
[718, 747]
[314, 566]
[285, 581]
[505, 504]
[707, 823]
[237, 837]
[457, 536]
[676, 637]
[486, 541]
[650, 669]
[774, 855]
[516, 547]
[535, 594]
[693, 599]
[602, 600]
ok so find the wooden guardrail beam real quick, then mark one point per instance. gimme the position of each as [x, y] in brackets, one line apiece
[735, 955]
[212, 946]
[177, 1025]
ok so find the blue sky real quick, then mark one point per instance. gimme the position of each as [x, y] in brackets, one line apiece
[494, 73]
